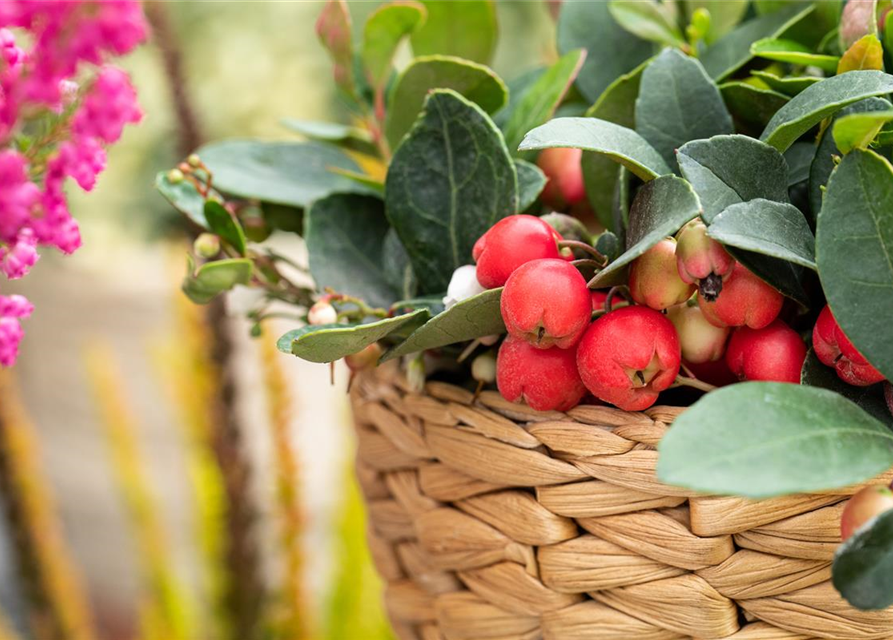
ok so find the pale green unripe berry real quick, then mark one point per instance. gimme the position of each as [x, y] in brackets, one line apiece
[175, 176]
[207, 245]
[483, 368]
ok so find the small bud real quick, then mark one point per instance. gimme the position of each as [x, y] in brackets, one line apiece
[464, 284]
[175, 176]
[415, 373]
[365, 358]
[193, 160]
[322, 313]
[184, 167]
[207, 245]
[483, 368]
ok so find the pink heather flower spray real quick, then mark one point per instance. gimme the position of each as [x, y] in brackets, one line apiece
[61, 84]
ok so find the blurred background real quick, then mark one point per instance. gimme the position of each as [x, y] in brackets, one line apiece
[163, 475]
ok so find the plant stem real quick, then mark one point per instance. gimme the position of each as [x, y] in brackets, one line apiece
[588, 248]
[694, 383]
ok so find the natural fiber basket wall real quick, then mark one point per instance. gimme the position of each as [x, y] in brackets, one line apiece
[492, 521]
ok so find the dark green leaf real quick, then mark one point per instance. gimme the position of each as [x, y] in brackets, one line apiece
[221, 222]
[858, 130]
[799, 158]
[871, 398]
[343, 135]
[472, 318]
[792, 53]
[609, 245]
[382, 34]
[330, 342]
[213, 278]
[184, 197]
[789, 86]
[590, 134]
[732, 52]
[612, 51]
[648, 20]
[618, 105]
[677, 103]
[450, 181]
[540, 102]
[290, 173]
[823, 162]
[726, 170]
[752, 106]
[769, 228]
[518, 89]
[283, 217]
[854, 245]
[822, 100]
[660, 209]
[765, 439]
[345, 237]
[397, 268]
[474, 81]
[863, 565]
[466, 29]
[531, 181]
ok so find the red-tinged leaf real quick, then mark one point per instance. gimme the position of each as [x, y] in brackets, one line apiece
[333, 30]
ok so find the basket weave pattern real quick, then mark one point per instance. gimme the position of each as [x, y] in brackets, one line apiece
[491, 521]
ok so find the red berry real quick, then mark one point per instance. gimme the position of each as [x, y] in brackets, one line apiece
[547, 303]
[745, 301]
[654, 280]
[508, 244]
[869, 503]
[701, 341]
[835, 350]
[702, 260]
[598, 299]
[546, 379]
[629, 356]
[772, 354]
[565, 177]
[365, 358]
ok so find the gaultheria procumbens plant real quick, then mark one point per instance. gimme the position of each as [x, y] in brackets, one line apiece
[735, 164]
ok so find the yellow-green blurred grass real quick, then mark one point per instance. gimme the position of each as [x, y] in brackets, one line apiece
[59, 604]
[166, 612]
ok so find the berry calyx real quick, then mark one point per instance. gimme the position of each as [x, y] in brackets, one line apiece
[702, 260]
[654, 280]
[565, 186]
[863, 507]
[701, 341]
[322, 312]
[834, 349]
[629, 356]
[546, 379]
[547, 303]
[745, 301]
[508, 244]
[772, 354]
[365, 358]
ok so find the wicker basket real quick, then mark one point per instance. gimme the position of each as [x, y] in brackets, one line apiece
[489, 520]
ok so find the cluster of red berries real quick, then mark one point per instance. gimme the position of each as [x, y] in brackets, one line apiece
[693, 305]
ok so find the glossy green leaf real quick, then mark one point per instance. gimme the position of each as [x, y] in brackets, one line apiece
[382, 34]
[648, 20]
[342, 135]
[859, 19]
[184, 197]
[863, 565]
[724, 15]
[472, 318]
[397, 267]
[765, 439]
[870, 398]
[450, 181]
[752, 106]
[474, 81]
[221, 222]
[213, 278]
[854, 245]
[789, 85]
[660, 208]
[824, 161]
[769, 228]
[799, 158]
[531, 182]
[677, 103]
[858, 130]
[330, 342]
[618, 105]
[590, 134]
[822, 100]
[612, 51]
[334, 31]
[518, 88]
[544, 96]
[345, 236]
[466, 29]
[867, 53]
[793, 53]
[726, 170]
[732, 52]
[290, 173]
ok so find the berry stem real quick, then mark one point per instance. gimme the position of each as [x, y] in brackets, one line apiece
[694, 383]
[595, 264]
[623, 290]
[588, 248]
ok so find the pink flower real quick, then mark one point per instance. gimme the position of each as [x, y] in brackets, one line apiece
[15, 306]
[110, 105]
[17, 261]
[18, 195]
[11, 335]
